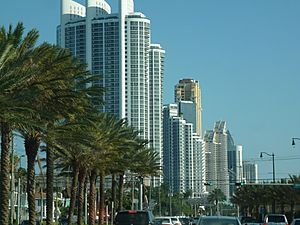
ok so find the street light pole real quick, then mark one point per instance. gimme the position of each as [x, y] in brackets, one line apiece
[273, 167]
[273, 159]
[261, 155]
[293, 141]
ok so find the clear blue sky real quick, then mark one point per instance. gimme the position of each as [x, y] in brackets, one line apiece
[245, 53]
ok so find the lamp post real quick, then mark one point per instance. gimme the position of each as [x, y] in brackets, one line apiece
[293, 140]
[261, 155]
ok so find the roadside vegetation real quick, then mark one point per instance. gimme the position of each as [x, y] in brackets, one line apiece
[46, 97]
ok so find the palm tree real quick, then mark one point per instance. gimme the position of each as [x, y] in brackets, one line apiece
[73, 152]
[110, 134]
[58, 95]
[16, 57]
[216, 196]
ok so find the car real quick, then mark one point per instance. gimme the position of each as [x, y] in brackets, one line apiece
[195, 220]
[174, 220]
[247, 220]
[296, 221]
[26, 222]
[275, 219]
[63, 221]
[218, 220]
[134, 217]
[162, 221]
[185, 220]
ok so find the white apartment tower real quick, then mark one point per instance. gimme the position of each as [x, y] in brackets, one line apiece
[117, 47]
[156, 73]
[216, 158]
[184, 162]
[235, 167]
[250, 171]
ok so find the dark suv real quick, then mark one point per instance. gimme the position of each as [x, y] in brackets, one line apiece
[133, 217]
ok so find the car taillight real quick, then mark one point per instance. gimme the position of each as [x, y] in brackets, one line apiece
[132, 212]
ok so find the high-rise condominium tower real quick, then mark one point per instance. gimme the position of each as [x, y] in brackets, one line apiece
[250, 172]
[235, 166]
[117, 47]
[216, 148]
[184, 162]
[189, 90]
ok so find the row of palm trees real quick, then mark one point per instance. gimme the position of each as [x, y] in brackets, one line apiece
[251, 198]
[47, 96]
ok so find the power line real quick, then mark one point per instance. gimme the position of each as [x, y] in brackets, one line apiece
[276, 158]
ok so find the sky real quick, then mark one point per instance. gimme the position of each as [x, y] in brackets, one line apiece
[244, 53]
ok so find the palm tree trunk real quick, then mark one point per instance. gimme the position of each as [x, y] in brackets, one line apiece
[73, 193]
[92, 197]
[121, 189]
[293, 208]
[81, 182]
[113, 188]
[4, 173]
[50, 171]
[102, 199]
[31, 147]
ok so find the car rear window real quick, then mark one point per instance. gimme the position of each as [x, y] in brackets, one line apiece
[161, 221]
[215, 221]
[248, 220]
[276, 219]
[132, 218]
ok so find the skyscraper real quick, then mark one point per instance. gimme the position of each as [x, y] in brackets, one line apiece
[179, 177]
[250, 171]
[184, 163]
[156, 73]
[235, 168]
[189, 90]
[117, 47]
[217, 159]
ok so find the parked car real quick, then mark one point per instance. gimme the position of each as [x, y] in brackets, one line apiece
[218, 220]
[134, 217]
[296, 222]
[162, 221]
[275, 219]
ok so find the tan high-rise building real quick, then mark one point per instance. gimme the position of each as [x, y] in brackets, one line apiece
[189, 90]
